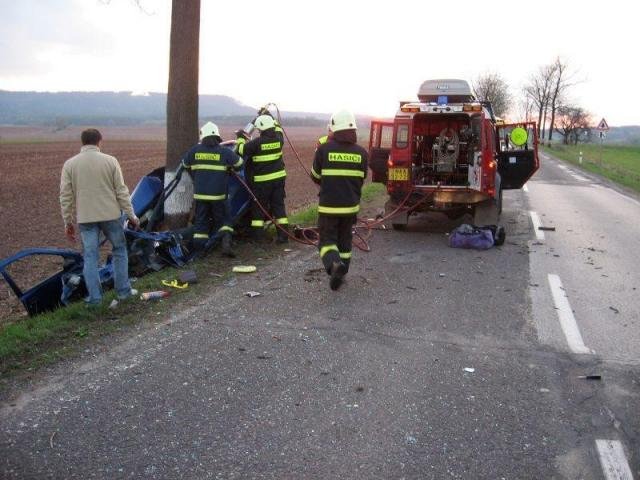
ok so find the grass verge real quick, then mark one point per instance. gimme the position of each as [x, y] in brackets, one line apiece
[620, 164]
[309, 215]
[29, 343]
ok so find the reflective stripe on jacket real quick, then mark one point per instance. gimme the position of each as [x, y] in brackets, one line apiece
[340, 168]
[263, 157]
[208, 165]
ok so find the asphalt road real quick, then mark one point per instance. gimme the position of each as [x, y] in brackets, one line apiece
[430, 362]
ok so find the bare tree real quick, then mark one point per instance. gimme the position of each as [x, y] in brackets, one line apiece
[182, 105]
[538, 89]
[524, 111]
[561, 83]
[490, 87]
[572, 123]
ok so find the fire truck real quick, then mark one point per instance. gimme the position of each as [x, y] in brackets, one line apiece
[448, 153]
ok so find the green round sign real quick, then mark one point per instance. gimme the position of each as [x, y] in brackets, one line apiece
[519, 136]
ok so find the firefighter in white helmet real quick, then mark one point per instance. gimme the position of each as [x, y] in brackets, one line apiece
[266, 174]
[339, 167]
[209, 163]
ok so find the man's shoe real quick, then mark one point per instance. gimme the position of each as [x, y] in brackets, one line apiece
[132, 293]
[338, 271]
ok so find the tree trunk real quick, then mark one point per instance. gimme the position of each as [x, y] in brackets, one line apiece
[553, 120]
[540, 126]
[544, 120]
[182, 105]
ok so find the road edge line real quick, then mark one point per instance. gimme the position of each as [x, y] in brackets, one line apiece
[535, 219]
[565, 316]
[613, 460]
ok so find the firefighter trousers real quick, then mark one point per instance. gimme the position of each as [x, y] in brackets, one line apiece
[210, 215]
[271, 196]
[335, 239]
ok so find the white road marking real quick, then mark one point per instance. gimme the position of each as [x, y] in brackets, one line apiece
[565, 316]
[535, 219]
[613, 460]
[525, 189]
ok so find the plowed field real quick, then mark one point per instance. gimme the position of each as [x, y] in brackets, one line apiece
[31, 160]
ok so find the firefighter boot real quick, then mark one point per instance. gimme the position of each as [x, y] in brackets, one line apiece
[282, 234]
[338, 271]
[226, 246]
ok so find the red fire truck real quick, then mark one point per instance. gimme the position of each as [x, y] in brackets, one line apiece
[448, 153]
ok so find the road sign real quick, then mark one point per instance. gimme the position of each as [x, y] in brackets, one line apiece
[603, 125]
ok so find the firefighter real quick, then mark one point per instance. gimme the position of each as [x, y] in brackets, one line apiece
[339, 167]
[266, 173]
[208, 163]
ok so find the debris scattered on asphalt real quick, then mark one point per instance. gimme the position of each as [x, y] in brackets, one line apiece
[252, 294]
[287, 250]
[534, 284]
[590, 377]
[547, 229]
[544, 390]
[614, 309]
[410, 440]
[359, 388]
[217, 275]
[469, 369]
[242, 349]
[51, 439]
[392, 302]
[155, 295]
[276, 338]
[442, 275]
[411, 287]
[324, 373]
[263, 357]
[244, 269]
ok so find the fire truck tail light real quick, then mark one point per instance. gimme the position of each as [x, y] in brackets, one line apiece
[410, 109]
[389, 163]
[492, 164]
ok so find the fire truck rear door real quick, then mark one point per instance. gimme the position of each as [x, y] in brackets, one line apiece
[380, 138]
[516, 153]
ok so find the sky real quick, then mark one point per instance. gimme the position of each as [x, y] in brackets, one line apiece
[321, 56]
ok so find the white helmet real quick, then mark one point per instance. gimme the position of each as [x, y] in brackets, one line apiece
[209, 129]
[342, 120]
[264, 122]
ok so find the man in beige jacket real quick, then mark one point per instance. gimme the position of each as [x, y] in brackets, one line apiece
[92, 184]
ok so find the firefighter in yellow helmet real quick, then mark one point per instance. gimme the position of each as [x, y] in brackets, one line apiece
[266, 174]
[339, 167]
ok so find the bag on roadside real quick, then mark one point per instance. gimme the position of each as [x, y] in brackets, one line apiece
[479, 238]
